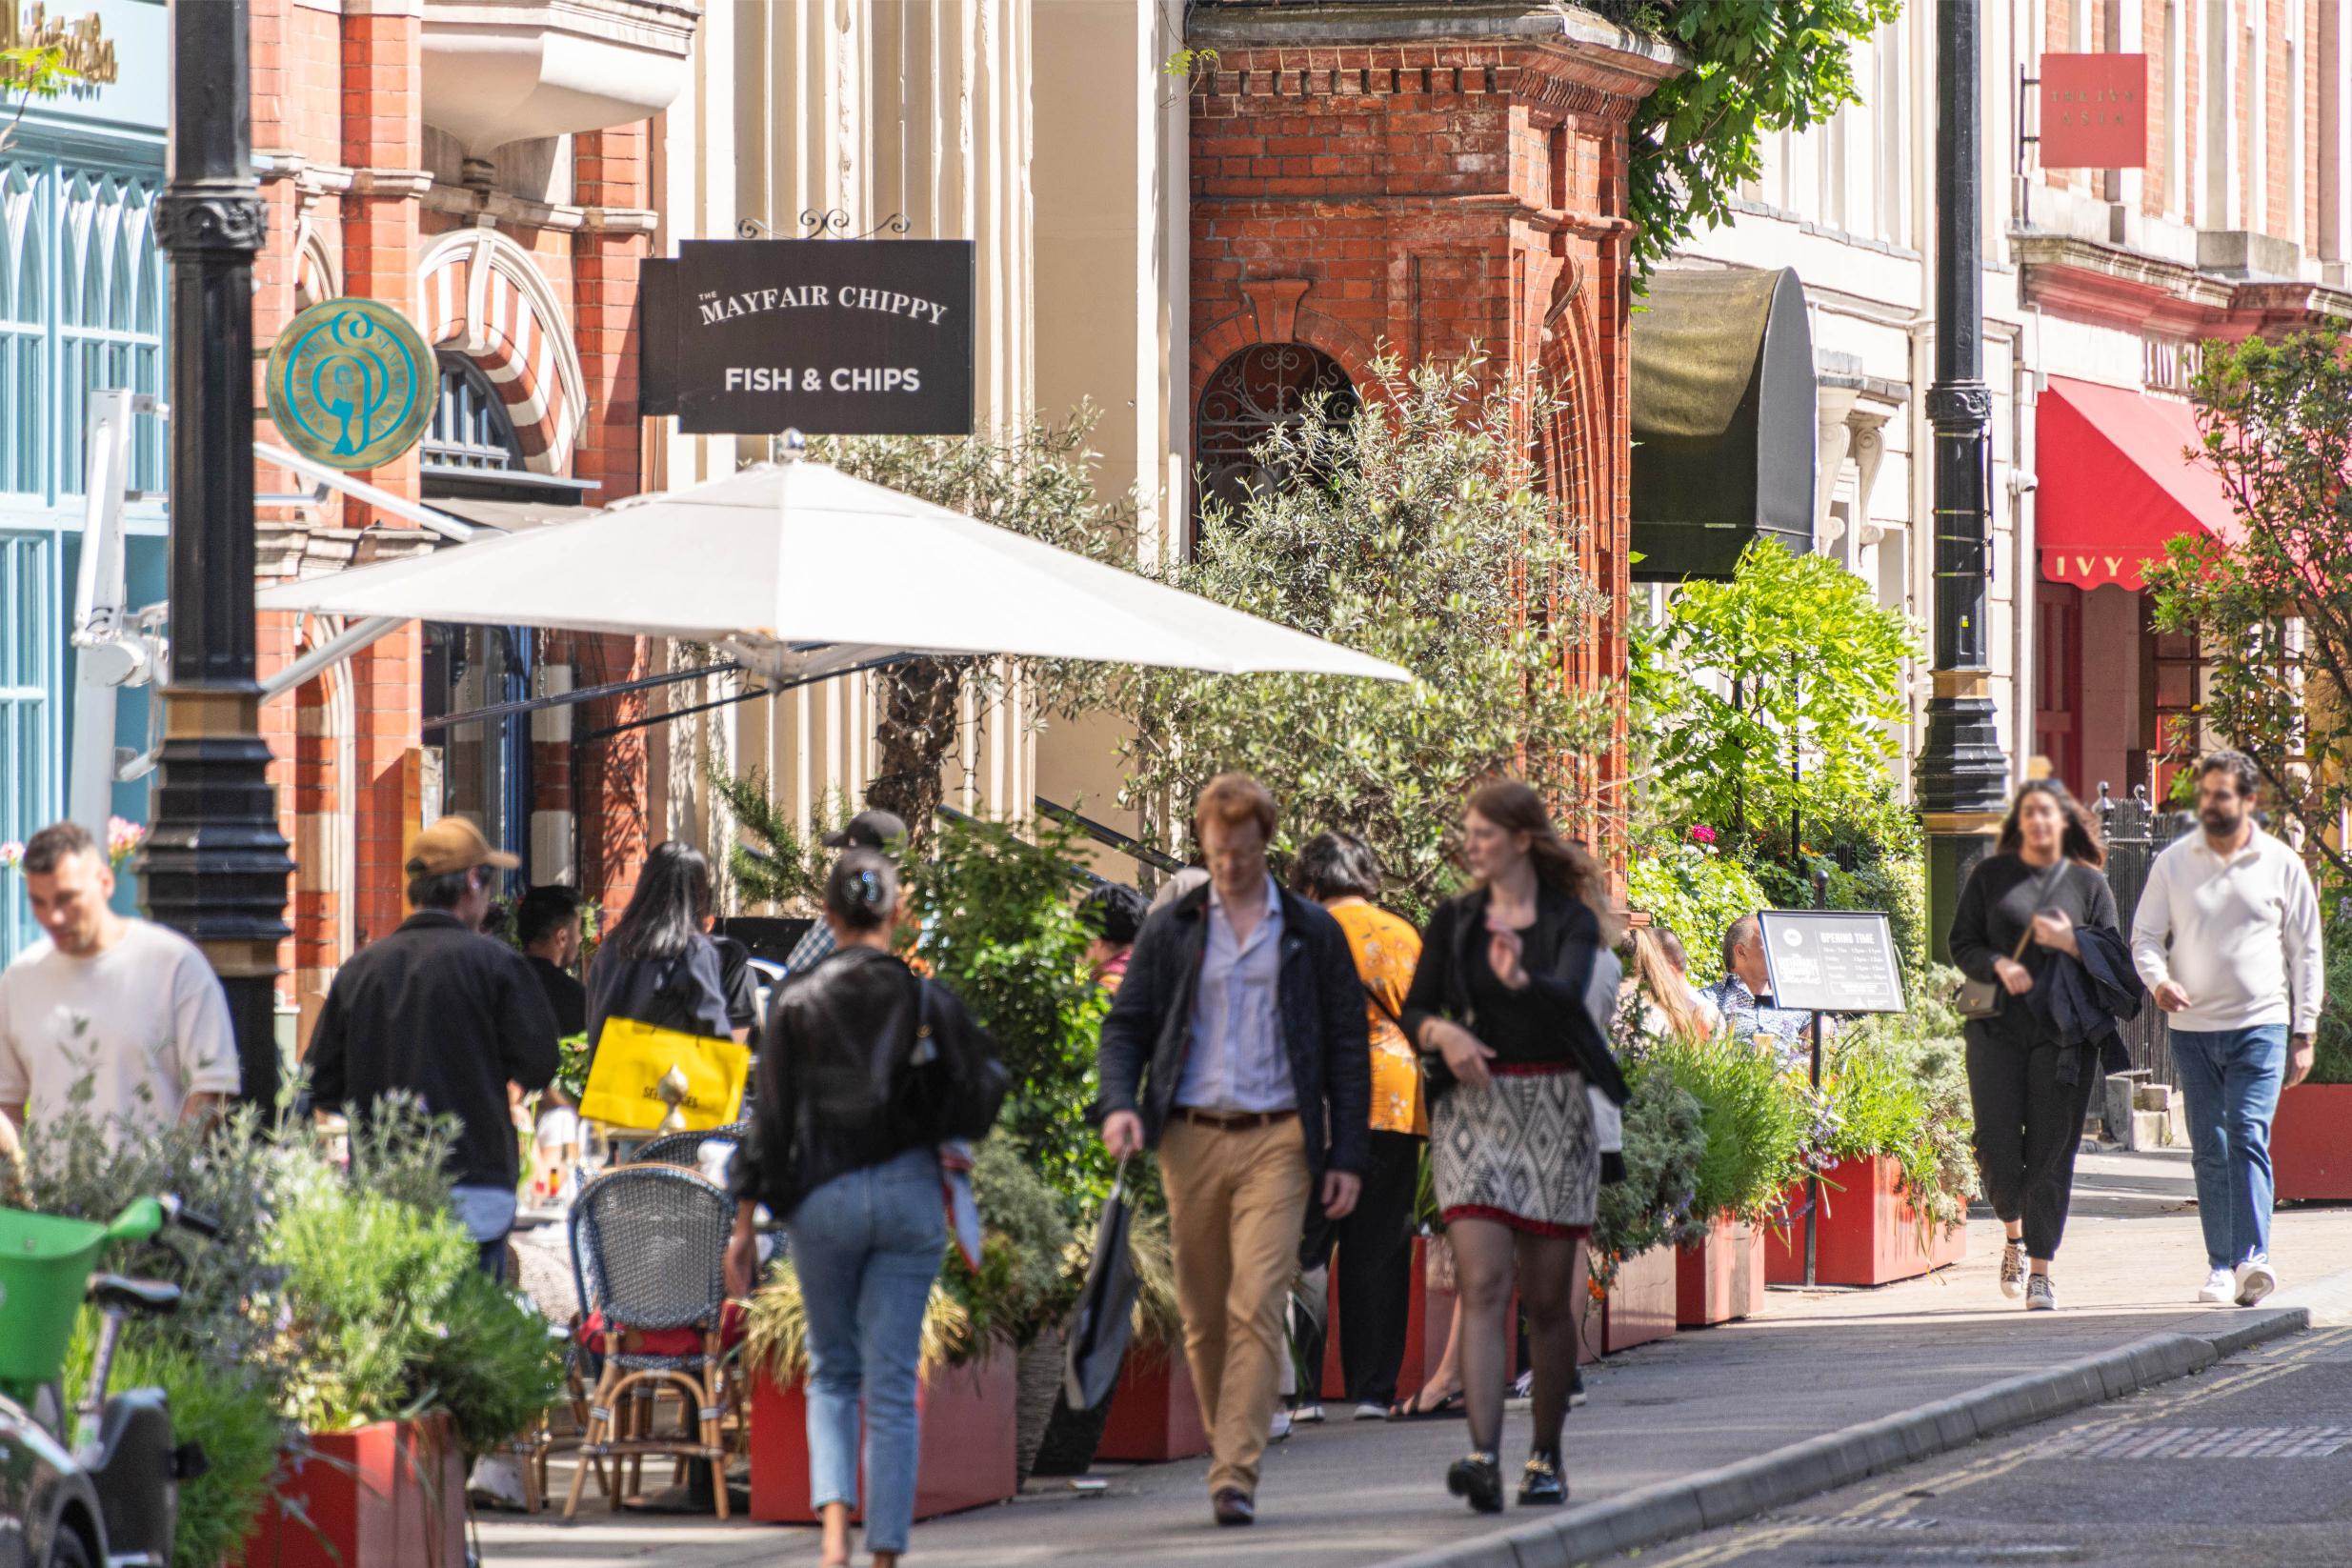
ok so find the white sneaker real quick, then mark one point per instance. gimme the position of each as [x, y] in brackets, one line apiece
[1281, 1427]
[2255, 1279]
[2040, 1296]
[2013, 1269]
[1307, 1413]
[2221, 1285]
[1370, 1412]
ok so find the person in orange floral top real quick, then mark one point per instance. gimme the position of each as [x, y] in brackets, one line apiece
[1340, 872]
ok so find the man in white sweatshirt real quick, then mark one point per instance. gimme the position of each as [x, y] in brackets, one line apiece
[2228, 938]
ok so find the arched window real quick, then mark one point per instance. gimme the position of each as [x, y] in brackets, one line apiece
[1264, 388]
[470, 432]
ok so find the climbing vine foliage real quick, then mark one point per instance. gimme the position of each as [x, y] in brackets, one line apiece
[1756, 66]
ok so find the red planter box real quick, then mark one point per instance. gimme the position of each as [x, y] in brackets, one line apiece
[1154, 1411]
[387, 1496]
[1722, 1277]
[1869, 1232]
[1640, 1305]
[967, 1459]
[2311, 1142]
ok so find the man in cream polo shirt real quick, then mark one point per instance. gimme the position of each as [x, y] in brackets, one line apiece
[2228, 938]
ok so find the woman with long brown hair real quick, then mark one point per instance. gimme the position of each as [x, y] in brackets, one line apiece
[2024, 911]
[1515, 992]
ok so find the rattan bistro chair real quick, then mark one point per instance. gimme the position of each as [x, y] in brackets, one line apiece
[686, 1148]
[650, 1242]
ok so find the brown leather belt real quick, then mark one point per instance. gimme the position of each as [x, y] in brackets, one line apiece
[1233, 1121]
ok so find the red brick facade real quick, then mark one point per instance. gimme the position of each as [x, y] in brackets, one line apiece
[354, 209]
[1418, 198]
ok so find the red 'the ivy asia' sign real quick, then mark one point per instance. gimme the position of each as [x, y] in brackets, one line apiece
[2094, 111]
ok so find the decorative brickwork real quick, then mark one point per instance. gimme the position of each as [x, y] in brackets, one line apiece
[1422, 198]
[339, 135]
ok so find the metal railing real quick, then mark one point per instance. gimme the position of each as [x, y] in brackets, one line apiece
[2136, 831]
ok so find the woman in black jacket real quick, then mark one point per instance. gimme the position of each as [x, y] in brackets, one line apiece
[657, 966]
[855, 1085]
[2042, 885]
[1514, 990]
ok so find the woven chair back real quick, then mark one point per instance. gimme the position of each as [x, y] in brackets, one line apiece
[651, 1244]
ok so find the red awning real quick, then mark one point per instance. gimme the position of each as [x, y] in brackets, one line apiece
[2117, 482]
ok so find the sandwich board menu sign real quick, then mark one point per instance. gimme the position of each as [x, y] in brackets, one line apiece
[1832, 961]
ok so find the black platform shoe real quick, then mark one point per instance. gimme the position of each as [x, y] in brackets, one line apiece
[1477, 1479]
[1542, 1484]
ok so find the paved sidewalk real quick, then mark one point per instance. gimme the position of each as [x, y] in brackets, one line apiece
[1352, 1494]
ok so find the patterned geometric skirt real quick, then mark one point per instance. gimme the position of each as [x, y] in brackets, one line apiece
[1520, 1152]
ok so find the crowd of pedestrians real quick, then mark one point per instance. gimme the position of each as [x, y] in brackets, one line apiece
[1296, 1055]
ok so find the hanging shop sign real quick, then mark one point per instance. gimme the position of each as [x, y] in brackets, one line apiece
[352, 383]
[1825, 961]
[831, 337]
[2094, 111]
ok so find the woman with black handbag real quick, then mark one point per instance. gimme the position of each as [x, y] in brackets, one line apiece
[1510, 1007]
[864, 1070]
[2025, 910]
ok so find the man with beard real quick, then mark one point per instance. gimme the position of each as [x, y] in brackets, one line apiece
[2228, 938]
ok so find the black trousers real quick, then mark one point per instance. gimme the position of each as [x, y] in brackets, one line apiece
[1374, 1286]
[2029, 1127]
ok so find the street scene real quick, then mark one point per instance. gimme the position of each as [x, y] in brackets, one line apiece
[1370, 783]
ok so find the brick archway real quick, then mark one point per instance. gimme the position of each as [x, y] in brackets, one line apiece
[1575, 458]
[1273, 311]
[484, 298]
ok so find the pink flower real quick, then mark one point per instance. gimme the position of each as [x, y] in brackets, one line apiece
[123, 840]
[11, 855]
[1701, 834]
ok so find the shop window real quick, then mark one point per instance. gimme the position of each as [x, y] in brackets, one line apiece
[2176, 697]
[108, 310]
[1266, 388]
[484, 764]
[28, 639]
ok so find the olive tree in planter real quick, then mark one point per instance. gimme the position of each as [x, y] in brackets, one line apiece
[1411, 530]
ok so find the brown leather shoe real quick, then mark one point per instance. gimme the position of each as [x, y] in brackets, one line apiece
[1234, 1506]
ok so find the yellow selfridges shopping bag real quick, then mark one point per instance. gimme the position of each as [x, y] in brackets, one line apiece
[624, 1085]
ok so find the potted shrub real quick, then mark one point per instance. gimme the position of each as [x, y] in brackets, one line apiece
[2311, 1139]
[1891, 1147]
[335, 1351]
[966, 1401]
[1640, 1219]
[1753, 1120]
[409, 1361]
[999, 925]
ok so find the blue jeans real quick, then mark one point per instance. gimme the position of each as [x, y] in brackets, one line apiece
[866, 1247]
[2231, 1080]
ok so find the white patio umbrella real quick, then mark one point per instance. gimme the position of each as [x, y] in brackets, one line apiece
[796, 569]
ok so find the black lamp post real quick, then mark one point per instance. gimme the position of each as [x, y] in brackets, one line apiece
[1962, 776]
[215, 865]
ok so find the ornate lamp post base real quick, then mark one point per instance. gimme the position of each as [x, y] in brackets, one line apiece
[215, 865]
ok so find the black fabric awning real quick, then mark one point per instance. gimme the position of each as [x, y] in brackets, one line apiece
[1722, 420]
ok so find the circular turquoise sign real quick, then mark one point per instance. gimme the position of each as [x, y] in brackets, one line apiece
[352, 383]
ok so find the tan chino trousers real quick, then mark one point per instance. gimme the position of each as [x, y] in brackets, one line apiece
[1236, 1205]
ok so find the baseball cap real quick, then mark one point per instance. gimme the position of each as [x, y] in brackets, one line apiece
[454, 844]
[884, 831]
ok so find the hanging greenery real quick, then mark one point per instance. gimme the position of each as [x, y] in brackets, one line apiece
[1756, 67]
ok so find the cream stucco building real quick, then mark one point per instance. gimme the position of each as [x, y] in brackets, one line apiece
[1048, 132]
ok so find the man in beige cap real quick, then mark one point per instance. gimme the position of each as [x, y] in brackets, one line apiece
[447, 1017]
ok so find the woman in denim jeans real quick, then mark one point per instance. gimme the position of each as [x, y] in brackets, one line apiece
[836, 1149]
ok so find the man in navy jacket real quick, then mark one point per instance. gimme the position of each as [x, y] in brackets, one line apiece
[1238, 1047]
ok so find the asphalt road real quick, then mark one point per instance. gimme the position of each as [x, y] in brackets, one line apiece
[2248, 1464]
